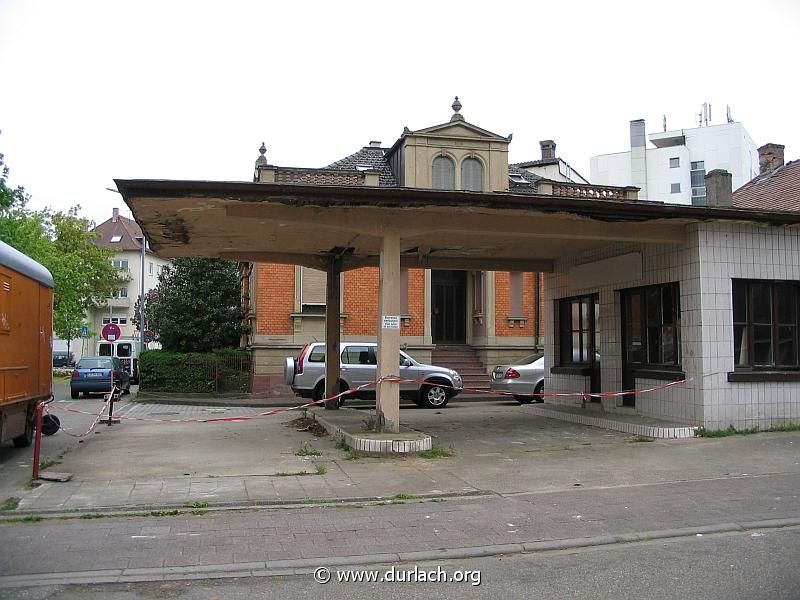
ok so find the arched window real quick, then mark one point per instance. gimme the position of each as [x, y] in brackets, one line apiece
[444, 173]
[472, 175]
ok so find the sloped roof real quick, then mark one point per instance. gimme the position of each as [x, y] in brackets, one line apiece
[372, 156]
[522, 188]
[777, 190]
[125, 228]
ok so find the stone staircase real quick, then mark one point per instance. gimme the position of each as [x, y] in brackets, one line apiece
[464, 359]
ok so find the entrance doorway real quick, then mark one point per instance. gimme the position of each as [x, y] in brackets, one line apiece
[449, 307]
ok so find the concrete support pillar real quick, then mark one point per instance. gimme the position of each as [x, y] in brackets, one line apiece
[388, 393]
[333, 300]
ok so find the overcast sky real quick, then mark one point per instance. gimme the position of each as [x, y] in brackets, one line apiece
[93, 91]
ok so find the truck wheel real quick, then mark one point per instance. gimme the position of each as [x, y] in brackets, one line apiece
[433, 396]
[24, 440]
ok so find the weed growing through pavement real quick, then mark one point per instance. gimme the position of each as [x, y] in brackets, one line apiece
[321, 469]
[199, 504]
[92, 516]
[341, 444]
[436, 452]
[640, 438]
[718, 433]
[374, 425]
[404, 497]
[307, 450]
[785, 427]
[290, 473]
[10, 504]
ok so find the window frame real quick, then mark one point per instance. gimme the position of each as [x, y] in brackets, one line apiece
[749, 323]
[566, 330]
[674, 162]
[443, 159]
[470, 160]
[645, 327]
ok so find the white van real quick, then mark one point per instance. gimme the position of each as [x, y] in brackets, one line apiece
[126, 352]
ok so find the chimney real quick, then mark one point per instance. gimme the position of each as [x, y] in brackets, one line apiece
[374, 144]
[719, 188]
[638, 136]
[770, 157]
[548, 149]
[114, 215]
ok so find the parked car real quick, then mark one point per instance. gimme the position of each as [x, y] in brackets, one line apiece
[306, 374]
[62, 358]
[522, 378]
[95, 375]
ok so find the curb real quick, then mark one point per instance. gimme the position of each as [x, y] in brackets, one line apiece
[305, 566]
[138, 509]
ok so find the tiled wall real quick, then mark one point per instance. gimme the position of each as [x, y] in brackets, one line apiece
[713, 254]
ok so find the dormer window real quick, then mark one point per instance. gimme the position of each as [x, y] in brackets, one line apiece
[116, 238]
[444, 173]
[363, 167]
[472, 175]
[516, 178]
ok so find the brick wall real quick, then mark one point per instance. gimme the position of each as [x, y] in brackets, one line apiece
[416, 303]
[360, 293]
[274, 299]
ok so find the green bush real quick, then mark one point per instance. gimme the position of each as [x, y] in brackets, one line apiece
[222, 371]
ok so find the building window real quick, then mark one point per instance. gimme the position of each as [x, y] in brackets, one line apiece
[403, 291]
[120, 264]
[312, 290]
[116, 239]
[698, 175]
[675, 188]
[472, 175]
[579, 331]
[765, 324]
[477, 292]
[120, 293]
[444, 173]
[651, 325]
[117, 320]
[151, 268]
[674, 163]
[515, 294]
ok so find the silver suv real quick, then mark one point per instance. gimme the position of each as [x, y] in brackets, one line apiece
[306, 374]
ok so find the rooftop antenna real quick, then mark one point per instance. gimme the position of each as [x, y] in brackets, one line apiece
[665, 123]
[728, 113]
[700, 115]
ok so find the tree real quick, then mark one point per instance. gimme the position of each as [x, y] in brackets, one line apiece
[64, 243]
[150, 298]
[198, 306]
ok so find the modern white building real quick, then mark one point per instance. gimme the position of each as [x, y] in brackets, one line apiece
[673, 167]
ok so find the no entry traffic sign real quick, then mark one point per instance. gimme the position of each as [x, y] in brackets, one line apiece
[111, 332]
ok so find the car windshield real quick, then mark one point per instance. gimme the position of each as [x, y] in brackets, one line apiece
[95, 363]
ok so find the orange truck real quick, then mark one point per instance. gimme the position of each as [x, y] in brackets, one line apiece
[26, 343]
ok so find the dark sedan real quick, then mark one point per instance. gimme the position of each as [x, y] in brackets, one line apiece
[95, 375]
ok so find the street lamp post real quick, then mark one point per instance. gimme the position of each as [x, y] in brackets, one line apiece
[143, 242]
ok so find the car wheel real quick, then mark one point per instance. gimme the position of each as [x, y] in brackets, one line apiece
[24, 440]
[319, 392]
[127, 390]
[523, 399]
[433, 396]
[75, 395]
[539, 390]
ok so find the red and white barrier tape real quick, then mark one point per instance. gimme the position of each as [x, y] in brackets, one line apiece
[391, 379]
[98, 416]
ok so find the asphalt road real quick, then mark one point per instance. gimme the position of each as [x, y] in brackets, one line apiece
[752, 565]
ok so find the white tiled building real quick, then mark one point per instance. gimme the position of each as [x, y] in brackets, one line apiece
[720, 311]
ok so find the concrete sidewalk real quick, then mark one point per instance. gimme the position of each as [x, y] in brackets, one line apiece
[496, 448]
